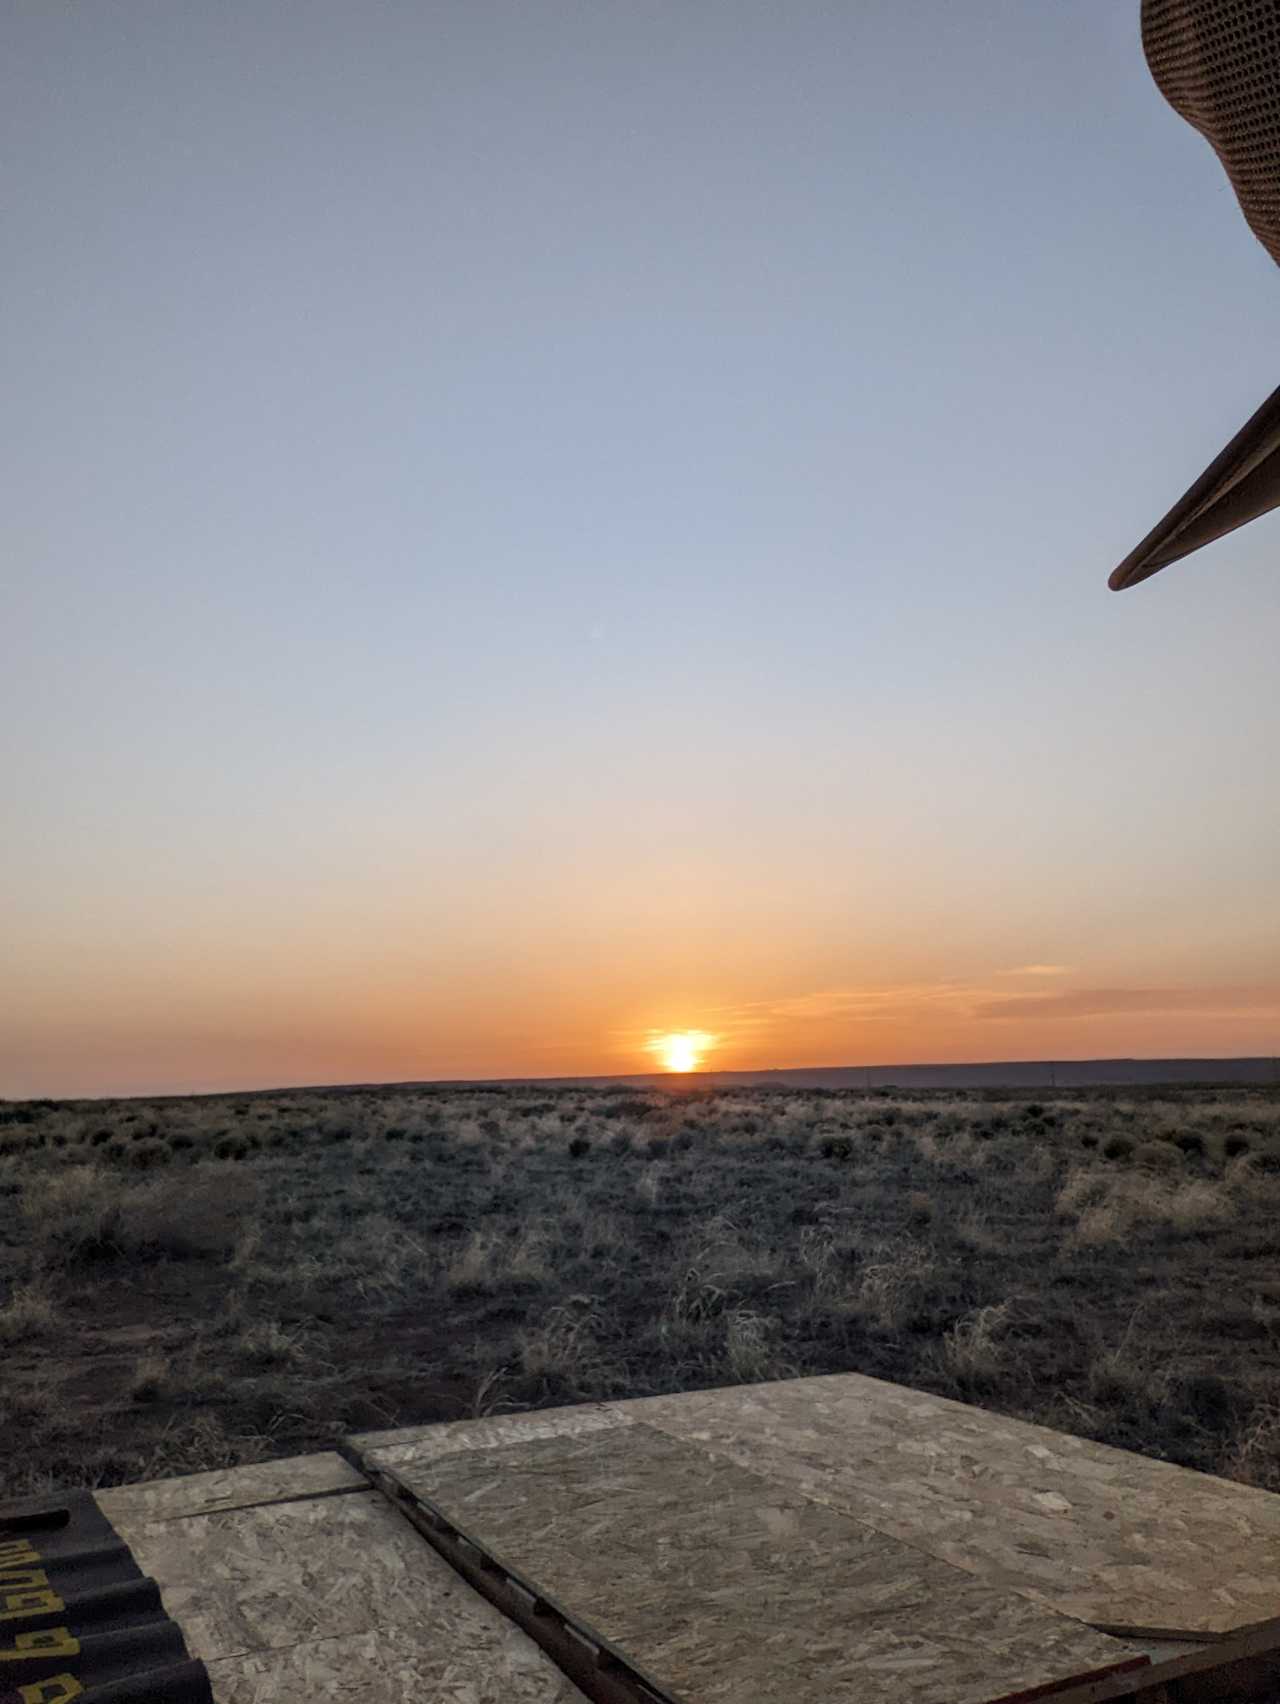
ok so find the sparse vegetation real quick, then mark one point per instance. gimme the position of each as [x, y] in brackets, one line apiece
[29, 1313]
[191, 1283]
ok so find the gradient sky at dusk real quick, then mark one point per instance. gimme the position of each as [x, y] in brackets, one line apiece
[529, 524]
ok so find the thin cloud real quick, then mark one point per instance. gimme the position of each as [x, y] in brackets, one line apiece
[860, 1005]
[793, 1023]
[1040, 970]
[1102, 1002]
[829, 1003]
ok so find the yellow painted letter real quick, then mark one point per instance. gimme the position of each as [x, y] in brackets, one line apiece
[46, 1642]
[58, 1689]
[14, 1605]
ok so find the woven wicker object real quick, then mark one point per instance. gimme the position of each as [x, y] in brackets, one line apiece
[1217, 62]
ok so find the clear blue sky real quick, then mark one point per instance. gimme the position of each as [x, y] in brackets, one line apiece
[532, 524]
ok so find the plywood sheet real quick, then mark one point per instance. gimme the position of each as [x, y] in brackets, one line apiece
[392, 1666]
[426, 1443]
[1097, 1533]
[231, 1488]
[723, 1585]
[335, 1597]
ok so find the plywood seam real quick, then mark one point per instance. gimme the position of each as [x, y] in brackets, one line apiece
[605, 1674]
[256, 1503]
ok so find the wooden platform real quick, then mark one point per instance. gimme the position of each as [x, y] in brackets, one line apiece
[294, 1580]
[1099, 1534]
[818, 1541]
[722, 1585]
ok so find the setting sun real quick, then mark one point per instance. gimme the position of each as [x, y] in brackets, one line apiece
[682, 1052]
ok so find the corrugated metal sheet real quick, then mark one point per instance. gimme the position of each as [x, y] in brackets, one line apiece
[79, 1619]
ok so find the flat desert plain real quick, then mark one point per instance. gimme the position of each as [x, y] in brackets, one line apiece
[189, 1283]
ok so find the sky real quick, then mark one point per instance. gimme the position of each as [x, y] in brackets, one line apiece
[530, 527]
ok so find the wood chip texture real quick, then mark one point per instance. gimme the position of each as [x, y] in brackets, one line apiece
[1096, 1533]
[335, 1597]
[229, 1488]
[722, 1585]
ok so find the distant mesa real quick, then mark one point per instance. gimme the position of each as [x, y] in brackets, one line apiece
[1006, 1074]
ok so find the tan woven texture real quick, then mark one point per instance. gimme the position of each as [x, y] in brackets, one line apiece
[1217, 62]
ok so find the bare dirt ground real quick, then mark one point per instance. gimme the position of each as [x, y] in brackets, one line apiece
[189, 1283]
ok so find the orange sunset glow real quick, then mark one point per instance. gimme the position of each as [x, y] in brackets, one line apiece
[682, 1051]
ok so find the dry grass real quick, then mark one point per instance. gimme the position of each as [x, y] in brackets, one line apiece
[972, 1351]
[1254, 1458]
[750, 1346]
[564, 1344]
[152, 1377]
[249, 1275]
[1116, 1209]
[895, 1281]
[477, 1264]
[85, 1212]
[30, 1313]
[270, 1344]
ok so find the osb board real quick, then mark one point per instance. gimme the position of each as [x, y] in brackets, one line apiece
[336, 1597]
[231, 1488]
[391, 1666]
[723, 1586]
[1095, 1532]
[425, 1443]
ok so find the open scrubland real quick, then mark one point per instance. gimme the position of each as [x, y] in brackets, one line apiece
[187, 1283]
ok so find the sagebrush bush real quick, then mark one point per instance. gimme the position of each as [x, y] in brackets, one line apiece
[85, 1213]
[971, 1350]
[1158, 1156]
[1110, 1209]
[893, 1281]
[150, 1152]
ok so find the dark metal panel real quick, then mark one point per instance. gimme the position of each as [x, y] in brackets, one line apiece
[1238, 486]
[78, 1619]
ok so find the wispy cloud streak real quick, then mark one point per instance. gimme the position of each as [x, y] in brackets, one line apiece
[1102, 1002]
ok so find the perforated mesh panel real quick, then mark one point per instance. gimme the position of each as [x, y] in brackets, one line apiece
[1218, 63]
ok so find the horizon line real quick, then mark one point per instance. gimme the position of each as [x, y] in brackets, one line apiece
[741, 1074]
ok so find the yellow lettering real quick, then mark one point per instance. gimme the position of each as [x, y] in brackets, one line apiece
[44, 1642]
[22, 1578]
[58, 1689]
[15, 1605]
[17, 1550]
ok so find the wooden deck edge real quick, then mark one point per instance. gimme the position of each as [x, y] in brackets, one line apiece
[1159, 1635]
[1052, 1689]
[1242, 1667]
